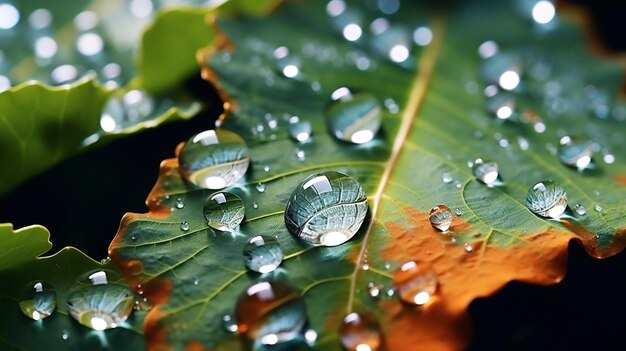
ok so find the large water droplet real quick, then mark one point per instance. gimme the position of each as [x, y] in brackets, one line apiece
[575, 152]
[415, 282]
[547, 199]
[224, 211]
[327, 208]
[440, 217]
[353, 117]
[100, 300]
[270, 312]
[360, 332]
[486, 172]
[38, 300]
[214, 159]
[262, 254]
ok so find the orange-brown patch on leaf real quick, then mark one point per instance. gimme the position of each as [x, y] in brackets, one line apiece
[621, 180]
[195, 345]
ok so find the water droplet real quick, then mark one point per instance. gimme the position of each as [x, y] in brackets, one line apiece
[214, 159]
[270, 312]
[457, 184]
[133, 237]
[446, 177]
[196, 281]
[393, 44]
[547, 199]
[486, 172]
[65, 335]
[260, 187]
[286, 64]
[255, 205]
[543, 12]
[575, 152]
[224, 211]
[184, 226]
[440, 217]
[105, 261]
[415, 282]
[597, 208]
[501, 105]
[262, 254]
[310, 336]
[38, 300]
[360, 332]
[180, 203]
[100, 300]
[327, 208]
[266, 168]
[580, 209]
[374, 289]
[468, 247]
[353, 117]
[229, 324]
[458, 212]
[301, 155]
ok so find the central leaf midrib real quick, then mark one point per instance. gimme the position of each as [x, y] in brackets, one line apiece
[421, 81]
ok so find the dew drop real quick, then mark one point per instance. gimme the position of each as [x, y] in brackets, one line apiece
[575, 152]
[458, 212]
[486, 172]
[415, 282]
[65, 335]
[100, 300]
[214, 159]
[299, 130]
[262, 254]
[580, 209]
[458, 185]
[255, 205]
[266, 168]
[180, 203]
[353, 117]
[184, 226]
[502, 106]
[468, 247]
[446, 177]
[223, 211]
[260, 187]
[229, 324]
[310, 336]
[300, 154]
[547, 199]
[440, 217]
[360, 332]
[38, 300]
[374, 289]
[326, 209]
[270, 312]
[597, 208]
[196, 281]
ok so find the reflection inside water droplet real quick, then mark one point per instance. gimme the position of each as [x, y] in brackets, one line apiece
[38, 300]
[327, 208]
[547, 199]
[440, 217]
[214, 159]
[353, 117]
[100, 300]
[224, 211]
[360, 332]
[415, 282]
[262, 254]
[270, 312]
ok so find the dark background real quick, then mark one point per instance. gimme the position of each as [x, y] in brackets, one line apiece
[587, 311]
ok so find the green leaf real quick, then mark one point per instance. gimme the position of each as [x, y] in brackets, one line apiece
[435, 121]
[61, 270]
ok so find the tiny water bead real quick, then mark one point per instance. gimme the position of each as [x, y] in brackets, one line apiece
[224, 211]
[260, 187]
[575, 152]
[597, 208]
[299, 130]
[38, 300]
[326, 209]
[440, 217]
[580, 209]
[353, 117]
[229, 324]
[184, 226]
[373, 289]
[214, 159]
[486, 172]
[180, 203]
[270, 312]
[547, 199]
[446, 177]
[415, 282]
[360, 332]
[262, 254]
[100, 300]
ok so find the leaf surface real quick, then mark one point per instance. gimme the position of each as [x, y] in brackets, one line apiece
[435, 121]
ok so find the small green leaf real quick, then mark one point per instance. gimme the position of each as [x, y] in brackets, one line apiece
[22, 245]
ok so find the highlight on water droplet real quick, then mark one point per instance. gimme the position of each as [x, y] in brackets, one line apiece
[415, 282]
[270, 312]
[326, 208]
[214, 159]
[38, 300]
[224, 211]
[575, 152]
[486, 172]
[100, 300]
[360, 332]
[262, 254]
[440, 217]
[353, 117]
[547, 199]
